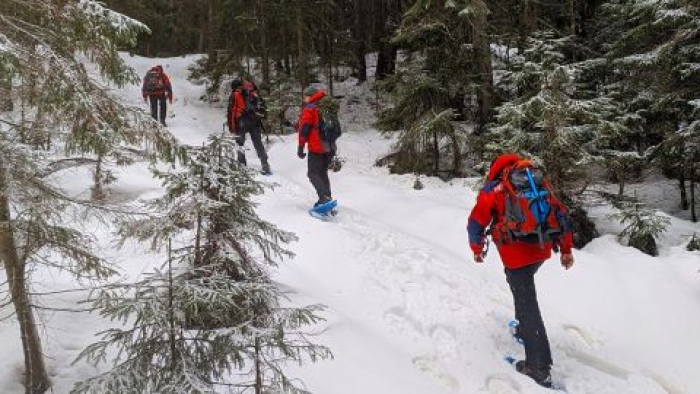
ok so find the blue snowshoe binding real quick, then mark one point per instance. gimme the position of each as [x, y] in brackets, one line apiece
[324, 211]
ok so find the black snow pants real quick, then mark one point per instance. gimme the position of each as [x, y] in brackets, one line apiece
[251, 125]
[318, 174]
[159, 100]
[527, 312]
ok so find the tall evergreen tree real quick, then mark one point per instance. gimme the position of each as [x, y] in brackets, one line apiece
[67, 117]
[434, 85]
[654, 47]
[549, 121]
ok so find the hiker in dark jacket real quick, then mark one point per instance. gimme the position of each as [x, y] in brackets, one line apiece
[320, 154]
[521, 260]
[244, 116]
[157, 88]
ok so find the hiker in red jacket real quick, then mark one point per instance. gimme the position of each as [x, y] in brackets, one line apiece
[320, 154]
[157, 87]
[522, 249]
[245, 114]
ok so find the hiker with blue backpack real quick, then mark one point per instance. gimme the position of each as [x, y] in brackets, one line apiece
[526, 222]
[319, 128]
[157, 88]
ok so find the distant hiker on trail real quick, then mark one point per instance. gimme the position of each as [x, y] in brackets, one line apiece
[527, 223]
[246, 111]
[320, 151]
[157, 87]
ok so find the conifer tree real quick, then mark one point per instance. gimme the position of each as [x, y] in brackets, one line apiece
[434, 84]
[548, 122]
[654, 47]
[68, 113]
[214, 317]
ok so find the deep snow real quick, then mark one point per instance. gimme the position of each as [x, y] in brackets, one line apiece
[409, 312]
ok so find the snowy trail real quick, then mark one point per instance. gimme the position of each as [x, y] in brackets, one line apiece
[409, 313]
[408, 310]
[397, 259]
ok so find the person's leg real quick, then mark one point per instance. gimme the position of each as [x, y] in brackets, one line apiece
[240, 140]
[324, 175]
[163, 109]
[256, 137]
[317, 163]
[154, 107]
[531, 328]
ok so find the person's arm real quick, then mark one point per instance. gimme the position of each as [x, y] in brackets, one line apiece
[479, 219]
[144, 93]
[566, 241]
[168, 88]
[306, 125]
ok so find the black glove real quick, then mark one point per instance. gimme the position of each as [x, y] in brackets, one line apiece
[300, 152]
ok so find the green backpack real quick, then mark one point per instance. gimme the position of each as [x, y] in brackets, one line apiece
[328, 124]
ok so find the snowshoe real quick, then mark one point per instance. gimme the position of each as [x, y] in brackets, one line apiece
[323, 211]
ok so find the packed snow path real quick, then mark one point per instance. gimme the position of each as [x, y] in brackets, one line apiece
[408, 310]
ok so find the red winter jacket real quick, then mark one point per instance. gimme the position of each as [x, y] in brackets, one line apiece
[308, 126]
[490, 206]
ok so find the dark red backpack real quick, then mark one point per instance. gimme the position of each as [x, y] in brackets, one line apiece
[154, 82]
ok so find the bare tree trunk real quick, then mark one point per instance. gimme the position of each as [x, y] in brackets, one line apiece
[693, 176]
[261, 10]
[528, 21]
[303, 60]
[385, 27]
[36, 379]
[98, 193]
[6, 103]
[211, 28]
[359, 38]
[571, 16]
[482, 60]
[258, 369]
[684, 192]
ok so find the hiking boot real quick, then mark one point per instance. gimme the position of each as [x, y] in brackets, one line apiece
[266, 168]
[240, 156]
[163, 123]
[541, 376]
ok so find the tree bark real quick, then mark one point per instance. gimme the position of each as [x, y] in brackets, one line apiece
[6, 103]
[98, 178]
[258, 368]
[303, 60]
[528, 21]
[359, 38]
[571, 17]
[36, 379]
[693, 177]
[262, 17]
[211, 28]
[482, 60]
[693, 209]
[681, 186]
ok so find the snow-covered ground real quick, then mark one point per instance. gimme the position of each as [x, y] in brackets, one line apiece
[409, 312]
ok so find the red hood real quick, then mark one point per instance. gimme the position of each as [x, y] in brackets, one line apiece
[317, 96]
[501, 163]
